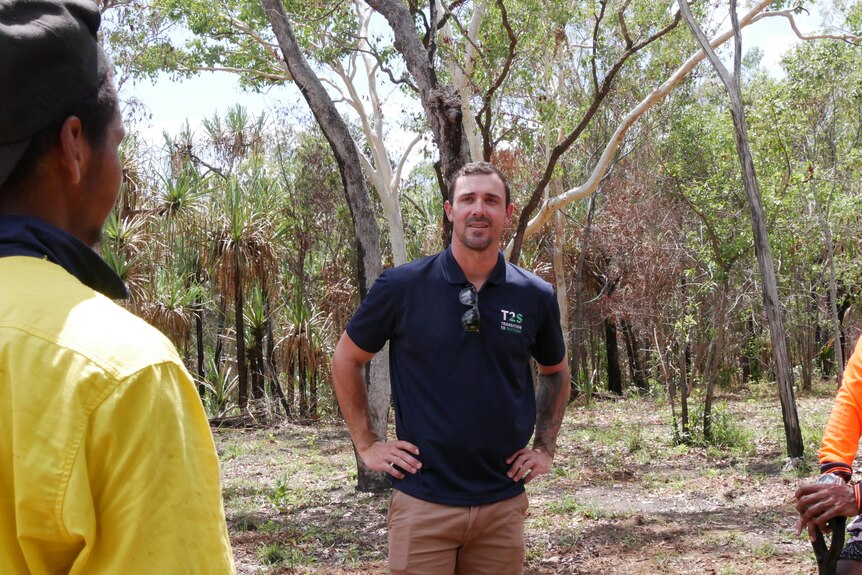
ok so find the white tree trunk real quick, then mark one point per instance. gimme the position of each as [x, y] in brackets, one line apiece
[461, 75]
[361, 209]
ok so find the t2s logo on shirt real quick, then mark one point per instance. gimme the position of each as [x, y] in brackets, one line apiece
[512, 321]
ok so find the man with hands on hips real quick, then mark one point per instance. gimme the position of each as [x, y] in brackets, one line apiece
[463, 326]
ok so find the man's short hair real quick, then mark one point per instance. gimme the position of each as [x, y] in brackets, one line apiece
[479, 168]
[51, 63]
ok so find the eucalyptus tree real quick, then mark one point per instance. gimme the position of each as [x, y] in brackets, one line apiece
[784, 375]
[812, 134]
[367, 235]
[236, 37]
[440, 100]
[672, 78]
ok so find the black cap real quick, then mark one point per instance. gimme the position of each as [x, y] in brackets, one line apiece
[50, 60]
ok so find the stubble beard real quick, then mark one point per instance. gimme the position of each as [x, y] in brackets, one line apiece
[479, 244]
[477, 239]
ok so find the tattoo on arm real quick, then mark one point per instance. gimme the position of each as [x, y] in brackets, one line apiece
[552, 394]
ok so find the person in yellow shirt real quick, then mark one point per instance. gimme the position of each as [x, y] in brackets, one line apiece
[107, 463]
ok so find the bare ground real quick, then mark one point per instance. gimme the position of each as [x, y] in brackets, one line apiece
[623, 498]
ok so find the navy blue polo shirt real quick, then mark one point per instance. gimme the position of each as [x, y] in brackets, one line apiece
[466, 400]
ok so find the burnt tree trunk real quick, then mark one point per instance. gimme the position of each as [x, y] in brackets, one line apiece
[685, 432]
[291, 382]
[239, 326]
[636, 370]
[302, 387]
[715, 360]
[615, 376]
[198, 310]
[580, 370]
[808, 339]
[258, 381]
[221, 322]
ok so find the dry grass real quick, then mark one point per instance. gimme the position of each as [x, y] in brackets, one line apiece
[622, 499]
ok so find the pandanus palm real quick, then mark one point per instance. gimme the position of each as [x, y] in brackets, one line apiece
[242, 256]
[177, 281]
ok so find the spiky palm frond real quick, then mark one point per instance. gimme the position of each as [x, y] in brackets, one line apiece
[221, 386]
[125, 240]
[244, 240]
[171, 308]
[126, 233]
[181, 193]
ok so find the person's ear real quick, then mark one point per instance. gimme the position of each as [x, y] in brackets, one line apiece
[447, 207]
[510, 209]
[74, 149]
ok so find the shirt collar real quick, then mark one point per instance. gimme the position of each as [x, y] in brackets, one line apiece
[454, 274]
[28, 236]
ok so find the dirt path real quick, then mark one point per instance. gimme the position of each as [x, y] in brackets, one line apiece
[622, 499]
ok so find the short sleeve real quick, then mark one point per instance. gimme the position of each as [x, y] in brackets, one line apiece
[844, 427]
[550, 346]
[375, 320]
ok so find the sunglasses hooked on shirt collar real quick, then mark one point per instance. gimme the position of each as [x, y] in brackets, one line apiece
[470, 319]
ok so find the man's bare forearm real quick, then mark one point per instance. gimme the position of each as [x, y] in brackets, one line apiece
[552, 394]
[348, 374]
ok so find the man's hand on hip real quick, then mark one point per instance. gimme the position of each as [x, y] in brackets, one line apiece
[527, 464]
[393, 457]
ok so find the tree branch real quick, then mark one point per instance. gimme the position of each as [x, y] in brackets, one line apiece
[621, 15]
[404, 79]
[485, 126]
[567, 142]
[558, 202]
[286, 77]
[789, 15]
[599, 18]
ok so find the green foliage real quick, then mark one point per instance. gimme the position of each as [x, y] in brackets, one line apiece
[261, 198]
[727, 433]
[221, 385]
[186, 36]
[277, 553]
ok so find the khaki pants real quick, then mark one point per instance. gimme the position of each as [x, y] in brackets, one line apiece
[431, 539]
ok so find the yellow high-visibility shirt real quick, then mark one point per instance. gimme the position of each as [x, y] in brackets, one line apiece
[107, 462]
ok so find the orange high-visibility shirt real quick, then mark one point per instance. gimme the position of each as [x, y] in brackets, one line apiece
[844, 428]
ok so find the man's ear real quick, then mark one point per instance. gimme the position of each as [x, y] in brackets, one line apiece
[74, 149]
[510, 209]
[447, 207]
